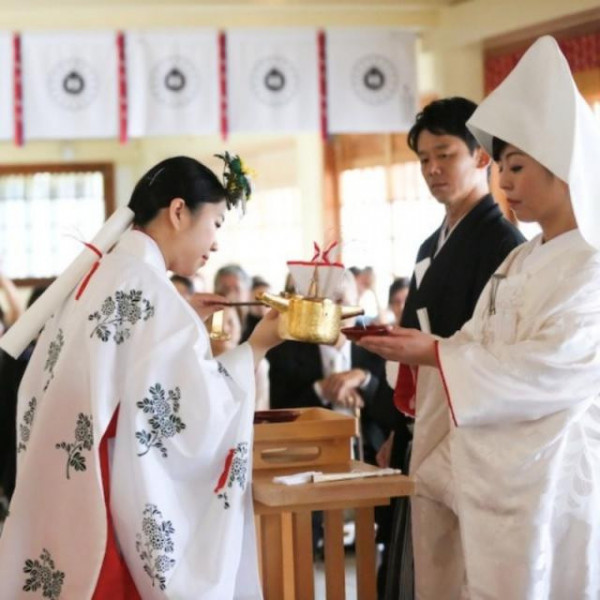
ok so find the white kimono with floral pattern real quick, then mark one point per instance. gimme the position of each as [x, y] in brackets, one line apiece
[180, 466]
[523, 382]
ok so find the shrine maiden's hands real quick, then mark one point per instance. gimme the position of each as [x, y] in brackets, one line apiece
[408, 346]
[341, 389]
[265, 335]
[206, 305]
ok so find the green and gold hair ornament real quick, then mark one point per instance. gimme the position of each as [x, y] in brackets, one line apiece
[236, 178]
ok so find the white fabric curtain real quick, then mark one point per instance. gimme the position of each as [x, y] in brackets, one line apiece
[172, 82]
[273, 80]
[70, 85]
[6, 87]
[371, 80]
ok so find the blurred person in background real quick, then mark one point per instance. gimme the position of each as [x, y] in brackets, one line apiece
[255, 313]
[184, 285]
[231, 322]
[367, 295]
[397, 294]
[232, 282]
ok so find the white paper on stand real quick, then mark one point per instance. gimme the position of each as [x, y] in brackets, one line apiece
[17, 338]
[328, 277]
[319, 476]
[296, 478]
[323, 477]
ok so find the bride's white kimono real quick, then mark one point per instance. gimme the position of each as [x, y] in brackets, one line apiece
[180, 462]
[520, 465]
[523, 381]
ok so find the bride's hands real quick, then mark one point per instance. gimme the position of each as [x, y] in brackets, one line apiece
[408, 346]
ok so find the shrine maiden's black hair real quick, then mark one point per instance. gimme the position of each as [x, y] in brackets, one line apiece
[448, 116]
[178, 177]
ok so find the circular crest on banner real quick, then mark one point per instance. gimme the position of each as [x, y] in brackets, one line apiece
[174, 81]
[374, 79]
[73, 84]
[274, 80]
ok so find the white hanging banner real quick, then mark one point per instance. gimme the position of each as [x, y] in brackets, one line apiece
[172, 82]
[371, 80]
[272, 80]
[7, 121]
[70, 85]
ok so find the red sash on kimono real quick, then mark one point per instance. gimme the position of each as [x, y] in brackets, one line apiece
[114, 582]
[406, 389]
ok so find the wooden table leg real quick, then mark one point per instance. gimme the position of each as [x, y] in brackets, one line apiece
[287, 549]
[272, 556]
[335, 572]
[366, 578]
[304, 579]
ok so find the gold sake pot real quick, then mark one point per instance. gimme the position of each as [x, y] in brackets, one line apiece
[303, 319]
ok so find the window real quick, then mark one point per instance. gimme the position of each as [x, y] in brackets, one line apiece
[44, 210]
[386, 233]
[261, 242]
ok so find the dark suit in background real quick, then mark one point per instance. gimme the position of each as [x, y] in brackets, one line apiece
[294, 367]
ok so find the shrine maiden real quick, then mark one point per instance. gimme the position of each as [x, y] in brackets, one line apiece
[135, 445]
[522, 377]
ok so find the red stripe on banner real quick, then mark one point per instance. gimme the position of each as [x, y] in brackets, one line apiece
[223, 84]
[122, 88]
[17, 90]
[321, 41]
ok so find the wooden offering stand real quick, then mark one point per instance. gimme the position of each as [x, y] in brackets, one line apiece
[316, 440]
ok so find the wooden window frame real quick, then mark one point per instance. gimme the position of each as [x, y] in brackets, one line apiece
[108, 174]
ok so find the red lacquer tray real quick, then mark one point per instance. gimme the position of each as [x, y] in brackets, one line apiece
[356, 333]
[275, 416]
